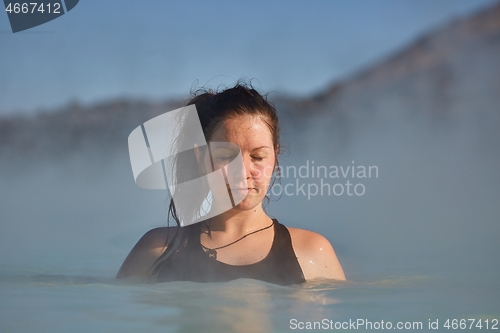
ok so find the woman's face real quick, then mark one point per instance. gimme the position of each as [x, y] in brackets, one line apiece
[247, 179]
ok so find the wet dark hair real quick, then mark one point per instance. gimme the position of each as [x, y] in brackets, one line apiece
[240, 100]
[213, 108]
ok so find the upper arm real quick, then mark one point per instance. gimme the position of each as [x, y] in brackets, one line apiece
[144, 254]
[316, 255]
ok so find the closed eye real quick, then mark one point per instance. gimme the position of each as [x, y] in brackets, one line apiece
[224, 158]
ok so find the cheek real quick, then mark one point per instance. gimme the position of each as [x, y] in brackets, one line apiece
[206, 165]
[265, 172]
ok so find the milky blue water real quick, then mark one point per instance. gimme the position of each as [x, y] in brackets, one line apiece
[61, 303]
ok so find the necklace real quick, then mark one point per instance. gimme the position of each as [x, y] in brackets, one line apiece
[212, 253]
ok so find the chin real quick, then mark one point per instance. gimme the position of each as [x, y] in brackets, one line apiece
[248, 203]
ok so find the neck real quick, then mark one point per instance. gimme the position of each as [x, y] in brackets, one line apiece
[240, 222]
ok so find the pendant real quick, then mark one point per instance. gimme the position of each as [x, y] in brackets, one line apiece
[212, 254]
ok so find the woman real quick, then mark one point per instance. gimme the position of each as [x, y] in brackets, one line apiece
[242, 242]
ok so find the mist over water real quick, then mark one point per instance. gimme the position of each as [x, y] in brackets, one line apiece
[75, 216]
[433, 210]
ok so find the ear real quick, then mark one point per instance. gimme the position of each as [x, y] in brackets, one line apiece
[197, 153]
[277, 151]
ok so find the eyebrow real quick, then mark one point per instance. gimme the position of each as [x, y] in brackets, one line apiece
[261, 147]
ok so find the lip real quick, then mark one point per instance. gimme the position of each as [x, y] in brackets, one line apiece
[243, 190]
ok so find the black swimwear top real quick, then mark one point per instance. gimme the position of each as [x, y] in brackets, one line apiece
[191, 263]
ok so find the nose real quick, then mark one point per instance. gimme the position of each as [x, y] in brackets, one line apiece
[249, 168]
[240, 171]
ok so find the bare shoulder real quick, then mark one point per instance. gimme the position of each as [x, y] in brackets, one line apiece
[316, 255]
[145, 252]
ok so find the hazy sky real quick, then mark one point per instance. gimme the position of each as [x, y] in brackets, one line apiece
[158, 49]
